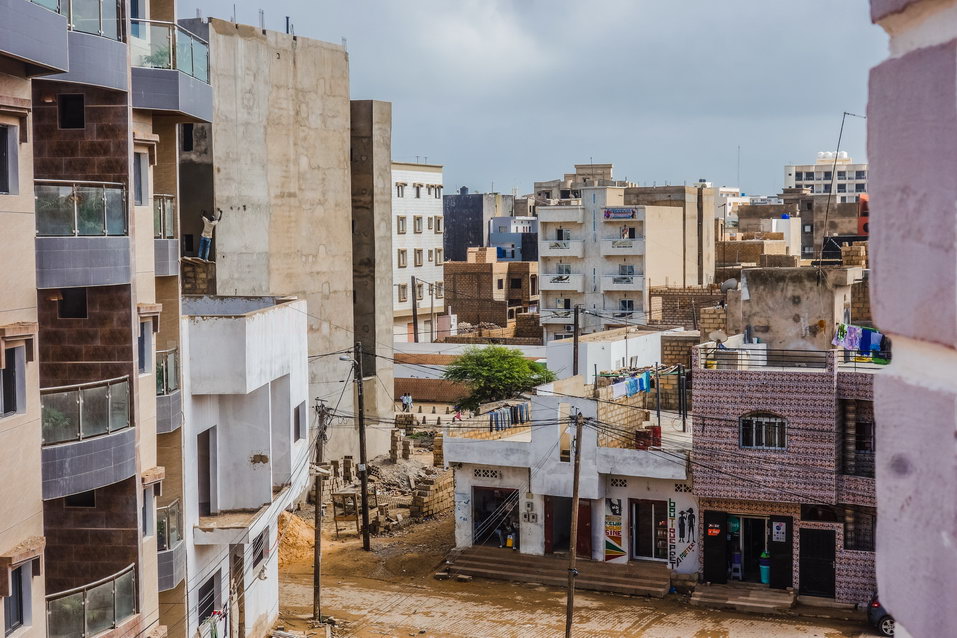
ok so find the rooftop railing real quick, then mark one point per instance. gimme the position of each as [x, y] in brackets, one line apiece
[84, 411]
[94, 608]
[169, 526]
[167, 371]
[95, 17]
[714, 358]
[164, 216]
[80, 209]
[166, 45]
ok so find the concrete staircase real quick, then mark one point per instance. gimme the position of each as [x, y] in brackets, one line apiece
[642, 578]
[748, 597]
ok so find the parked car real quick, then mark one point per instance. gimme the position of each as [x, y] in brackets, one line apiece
[879, 618]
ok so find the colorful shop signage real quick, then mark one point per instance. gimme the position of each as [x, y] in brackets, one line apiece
[613, 546]
[620, 213]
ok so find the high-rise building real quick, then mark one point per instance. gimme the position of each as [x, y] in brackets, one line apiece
[831, 169]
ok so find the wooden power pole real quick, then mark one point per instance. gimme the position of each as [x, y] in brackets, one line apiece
[415, 312]
[363, 462]
[317, 519]
[573, 535]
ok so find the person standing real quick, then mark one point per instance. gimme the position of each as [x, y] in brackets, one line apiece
[206, 238]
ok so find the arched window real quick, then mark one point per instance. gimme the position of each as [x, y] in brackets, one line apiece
[763, 430]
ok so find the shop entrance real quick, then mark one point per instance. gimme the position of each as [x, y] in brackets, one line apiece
[494, 516]
[734, 544]
[558, 517]
[817, 562]
[749, 539]
[649, 529]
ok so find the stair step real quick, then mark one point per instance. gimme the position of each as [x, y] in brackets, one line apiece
[630, 588]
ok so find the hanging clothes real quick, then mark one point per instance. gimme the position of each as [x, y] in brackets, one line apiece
[877, 341]
[619, 390]
[632, 384]
[853, 339]
[644, 383]
[839, 335]
[865, 343]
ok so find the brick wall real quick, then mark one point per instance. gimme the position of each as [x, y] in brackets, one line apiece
[433, 495]
[861, 301]
[678, 305]
[779, 261]
[436, 390]
[711, 319]
[676, 348]
[747, 251]
[199, 278]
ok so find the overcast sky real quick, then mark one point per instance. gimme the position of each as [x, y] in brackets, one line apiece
[513, 91]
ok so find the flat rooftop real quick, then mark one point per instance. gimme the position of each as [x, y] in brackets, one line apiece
[216, 306]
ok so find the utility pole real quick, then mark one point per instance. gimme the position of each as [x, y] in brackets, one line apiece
[363, 467]
[317, 520]
[575, 341]
[415, 312]
[432, 313]
[657, 394]
[573, 535]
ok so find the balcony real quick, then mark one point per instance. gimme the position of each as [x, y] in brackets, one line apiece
[561, 316]
[560, 214]
[622, 283]
[624, 247]
[573, 283]
[82, 234]
[97, 54]
[561, 248]
[94, 608]
[758, 358]
[170, 70]
[88, 437]
[169, 399]
[618, 213]
[34, 33]
[166, 245]
[171, 550]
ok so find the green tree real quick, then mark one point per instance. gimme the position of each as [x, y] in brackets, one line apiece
[495, 373]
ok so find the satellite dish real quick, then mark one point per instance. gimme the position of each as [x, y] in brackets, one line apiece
[730, 284]
[718, 335]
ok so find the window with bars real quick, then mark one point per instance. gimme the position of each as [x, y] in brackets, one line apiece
[859, 526]
[260, 547]
[619, 482]
[763, 431]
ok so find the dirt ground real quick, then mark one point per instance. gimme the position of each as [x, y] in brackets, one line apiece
[390, 592]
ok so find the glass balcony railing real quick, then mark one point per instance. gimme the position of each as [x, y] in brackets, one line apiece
[93, 608]
[169, 526]
[167, 371]
[164, 216]
[96, 17]
[79, 412]
[166, 45]
[80, 209]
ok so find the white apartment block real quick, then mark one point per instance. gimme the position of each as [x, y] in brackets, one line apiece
[849, 179]
[597, 252]
[417, 226]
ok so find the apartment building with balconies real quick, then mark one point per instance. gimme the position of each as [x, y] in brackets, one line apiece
[418, 256]
[597, 252]
[831, 170]
[783, 466]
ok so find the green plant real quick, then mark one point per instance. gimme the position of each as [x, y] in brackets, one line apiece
[495, 373]
[57, 426]
[159, 59]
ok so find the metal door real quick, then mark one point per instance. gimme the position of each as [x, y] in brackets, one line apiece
[715, 546]
[780, 547]
[817, 562]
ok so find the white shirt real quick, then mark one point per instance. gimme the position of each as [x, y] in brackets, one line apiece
[208, 225]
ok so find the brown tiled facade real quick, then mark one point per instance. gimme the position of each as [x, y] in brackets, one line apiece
[481, 290]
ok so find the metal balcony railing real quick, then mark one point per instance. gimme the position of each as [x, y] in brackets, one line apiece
[859, 463]
[167, 371]
[80, 209]
[758, 358]
[84, 411]
[155, 44]
[169, 526]
[95, 17]
[94, 608]
[164, 216]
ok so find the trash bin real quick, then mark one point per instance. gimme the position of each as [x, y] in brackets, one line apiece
[764, 563]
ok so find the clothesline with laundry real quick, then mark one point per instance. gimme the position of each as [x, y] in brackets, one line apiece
[869, 343]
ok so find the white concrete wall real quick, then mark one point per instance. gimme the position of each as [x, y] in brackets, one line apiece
[642, 350]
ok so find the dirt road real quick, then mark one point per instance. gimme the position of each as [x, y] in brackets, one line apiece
[391, 592]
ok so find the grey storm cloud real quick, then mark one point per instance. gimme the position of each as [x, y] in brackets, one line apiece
[513, 91]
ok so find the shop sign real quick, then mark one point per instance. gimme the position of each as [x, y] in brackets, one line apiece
[613, 546]
[779, 532]
[714, 529]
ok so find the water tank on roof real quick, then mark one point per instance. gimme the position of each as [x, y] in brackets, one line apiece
[842, 155]
[820, 155]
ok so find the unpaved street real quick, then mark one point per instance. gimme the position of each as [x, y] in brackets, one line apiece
[391, 593]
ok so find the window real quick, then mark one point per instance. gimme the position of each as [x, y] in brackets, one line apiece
[430, 222]
[842, 188]
[403, 258]
[563, 269]
[500, 284]
[563, 234]
[418, 191]
[403, 292]
[438, 224]
[626, 305]
[70, 110]
[515, 283]
[860, 174]
[562, 303]
[859, 526]
[144, 345]
[13, 603]
[859, 188]
[438, 192]
[439, 256]
[83, 499]
[299, 421]
[626, 269]
[260, 547]
[439, 289]
[140, 173]
[400, 225]
[417, 224]
[72, 304]
[419, 291]
[808, 228]
[13, 381]
[9, 150]
[400, 190]
[430, 255]
[808, 176]
[763, 431]
[827, 175]
[842, 174]
[798, 176]
[188, 137]
[417, 256]
[148, 515]
[206, 603]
